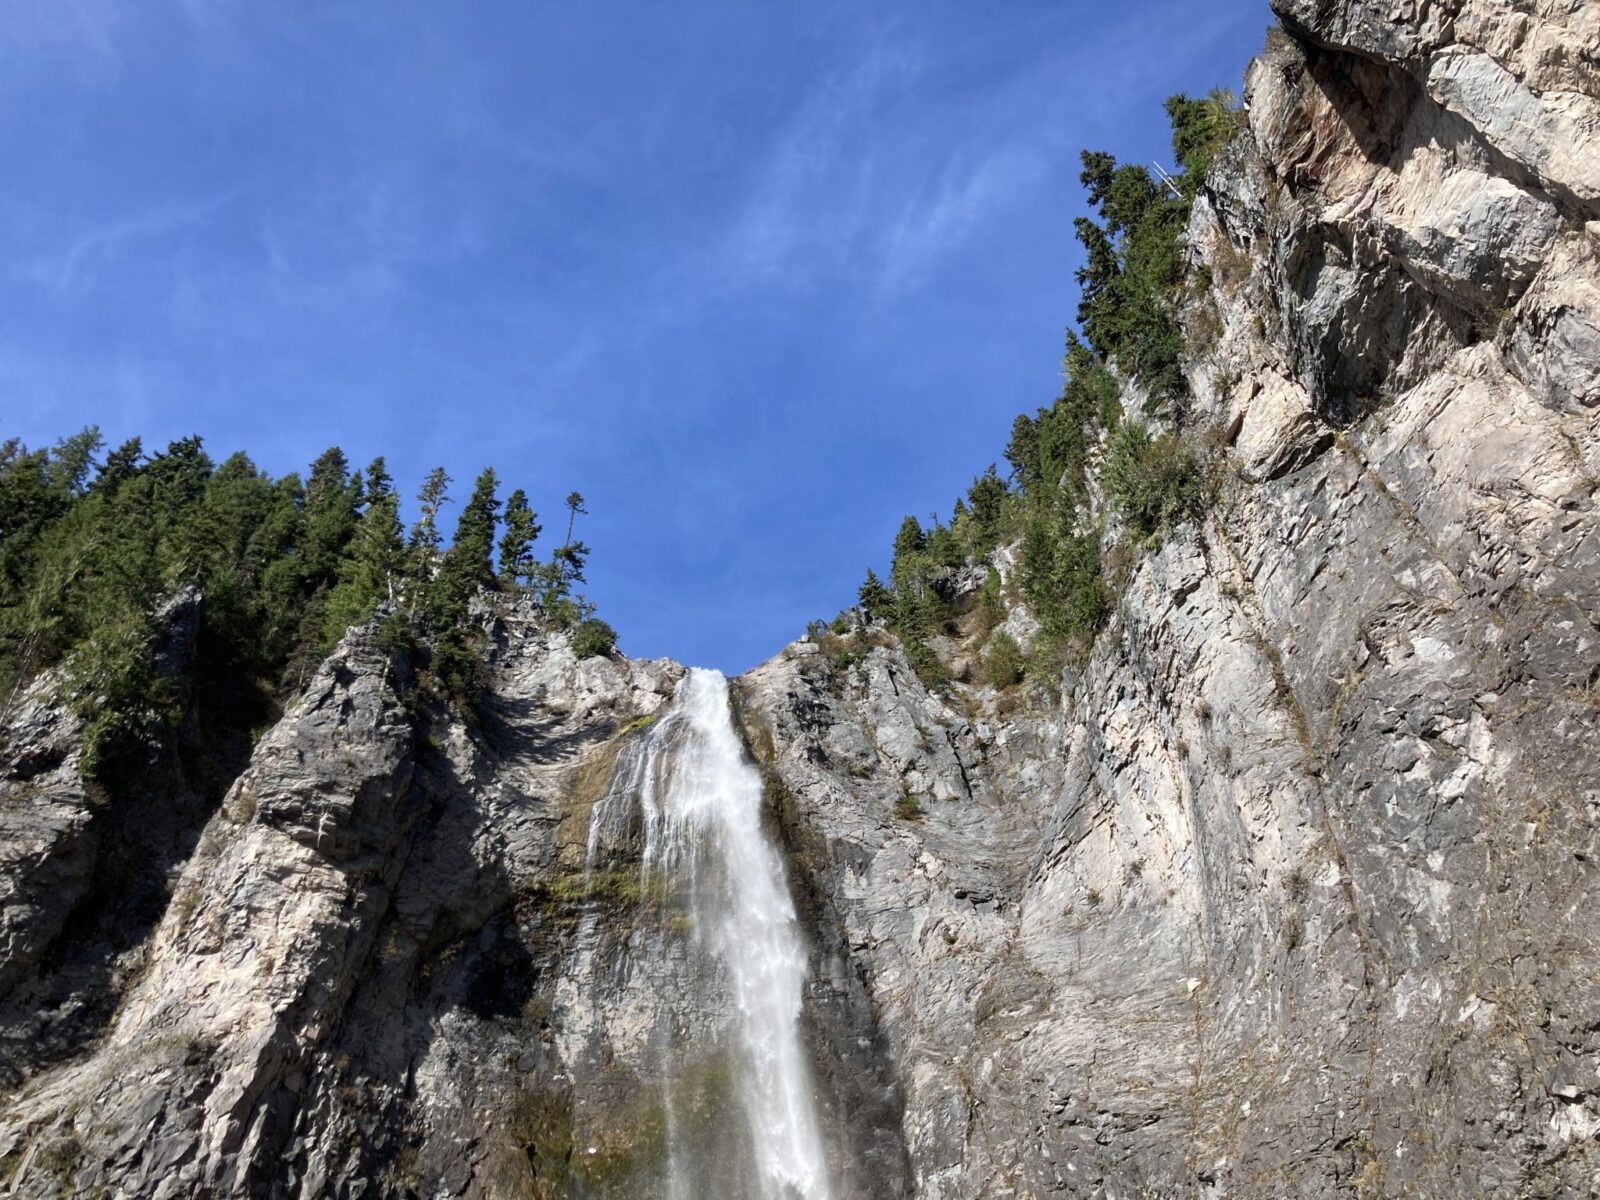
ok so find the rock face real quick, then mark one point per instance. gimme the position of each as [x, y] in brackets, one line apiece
[1291, 892]
[1287, 890]
[66, 850]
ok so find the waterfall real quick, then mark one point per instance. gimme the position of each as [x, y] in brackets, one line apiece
[726, 963]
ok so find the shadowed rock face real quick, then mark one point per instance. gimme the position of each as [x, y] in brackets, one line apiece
[85, 868]
[390, 968]
[1289, 890]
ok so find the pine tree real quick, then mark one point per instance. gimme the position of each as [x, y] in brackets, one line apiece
[516, 544]
[425, 536]
[908, 546]
[120, 465]
[474, 541]
[465, 568]
[379, 482]
[574, 507]
[988, 495]
[371, 573]
[565, 568]
[72, 460]
[331, 513]
[875, 599]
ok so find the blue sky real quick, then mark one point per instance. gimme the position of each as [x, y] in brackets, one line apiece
[757, 279]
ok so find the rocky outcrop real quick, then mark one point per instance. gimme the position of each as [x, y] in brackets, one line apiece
[294, 1028]
[67, 845]
[1288, 893]
[1284, 890]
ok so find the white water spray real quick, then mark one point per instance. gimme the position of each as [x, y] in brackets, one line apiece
[698, 799]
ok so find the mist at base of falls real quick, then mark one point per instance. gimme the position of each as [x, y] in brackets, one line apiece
[703, 995]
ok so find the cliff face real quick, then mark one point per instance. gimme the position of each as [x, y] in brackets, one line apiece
[1291, 894]
[1288, 891]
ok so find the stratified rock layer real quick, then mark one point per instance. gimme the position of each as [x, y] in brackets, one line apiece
[1288, 892]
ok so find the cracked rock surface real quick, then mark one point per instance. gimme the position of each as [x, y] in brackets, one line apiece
[1288, 890]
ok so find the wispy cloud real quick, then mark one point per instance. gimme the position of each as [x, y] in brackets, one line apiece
[61, 267]
[878, 175]
[816, 186]
[942, 214]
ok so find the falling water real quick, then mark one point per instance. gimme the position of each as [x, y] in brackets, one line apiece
[693, 798]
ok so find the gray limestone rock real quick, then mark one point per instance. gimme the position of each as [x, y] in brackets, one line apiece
[1285, 889]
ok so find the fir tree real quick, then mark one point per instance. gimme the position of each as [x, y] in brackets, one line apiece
[876, 600]
[425, 536]
[370, 574]
[465, 569]
[469, 556]
[517, 563]
[565, 568]
[331, 512]
[120, 465]
[72, 460]
[988, 495]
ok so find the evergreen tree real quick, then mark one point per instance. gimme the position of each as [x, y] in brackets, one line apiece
[565, 568]
[574, 507]
[332, 502]
[875, 599]
[272, 559]
[425, 536]
[1022, 452]
[517, 564]
[988, 495]
[371, 573]
[72, 460]
[87, 558]
[120, 465]
[469, 556]
[379, 482]
[908, 545]
[465, 569]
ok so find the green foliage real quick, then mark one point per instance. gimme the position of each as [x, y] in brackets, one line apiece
[1133, 262]
[908, 542]
[113, 684]
[844, 649]
[1050, 452]
[464, 571]
[991, 603]
[70, 463]
[87, 557]
[1133, 272]
[372, 571]
[1157, 482]
[1061, 575]
[474, 540]
[988, 496]
[1134, 254]
[552, 581]
[425, 536]
[332, 509]
[1201, 129]
[907, 808]
[516, 543]
[876, 600]
[593, 637]
[916, 606]
[1003, 664]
